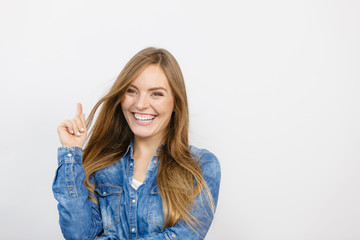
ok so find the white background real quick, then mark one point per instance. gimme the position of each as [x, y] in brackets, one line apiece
[274, 92]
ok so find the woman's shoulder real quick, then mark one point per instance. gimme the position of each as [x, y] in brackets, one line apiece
[204, 156]
[209, 165]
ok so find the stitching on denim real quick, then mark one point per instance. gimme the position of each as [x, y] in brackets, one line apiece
[118, 208]
[197, 157]
[166, 236]
[129, 211]
[204, 154]
[148, 215]
[66, 180]
[74, 180]
[120, 189]
[119, 195]
[67, 183]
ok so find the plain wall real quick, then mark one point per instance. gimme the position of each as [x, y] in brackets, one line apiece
[273, 88]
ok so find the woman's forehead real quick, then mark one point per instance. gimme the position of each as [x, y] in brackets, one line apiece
[152, 77]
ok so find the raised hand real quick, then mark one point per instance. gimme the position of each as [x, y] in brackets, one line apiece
[73, 132]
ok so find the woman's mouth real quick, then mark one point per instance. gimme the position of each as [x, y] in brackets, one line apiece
[143, 118]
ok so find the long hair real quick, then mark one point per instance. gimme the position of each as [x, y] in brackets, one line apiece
[179, 176]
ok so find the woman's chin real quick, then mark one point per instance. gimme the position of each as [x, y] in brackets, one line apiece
[143, 134]
[147, 135]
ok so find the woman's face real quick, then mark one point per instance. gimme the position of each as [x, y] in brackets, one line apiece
[148, 104]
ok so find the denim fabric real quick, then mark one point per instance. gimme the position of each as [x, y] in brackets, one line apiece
[123, 212]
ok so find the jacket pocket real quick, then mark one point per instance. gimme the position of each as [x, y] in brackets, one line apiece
[155, 211]
[110, 202]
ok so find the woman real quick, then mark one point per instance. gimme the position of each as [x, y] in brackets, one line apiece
[137, 177]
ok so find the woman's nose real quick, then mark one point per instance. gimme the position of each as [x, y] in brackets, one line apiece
[142, 102]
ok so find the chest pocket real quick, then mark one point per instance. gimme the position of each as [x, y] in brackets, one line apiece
[155, 211]
[110, 197]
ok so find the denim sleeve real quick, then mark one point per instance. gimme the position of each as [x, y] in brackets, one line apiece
[201, 210]
[79, 217]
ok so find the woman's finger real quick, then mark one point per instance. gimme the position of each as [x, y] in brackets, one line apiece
[83, 121]
[75, 126]
[78, 110]
[79, 124]
[69, 126]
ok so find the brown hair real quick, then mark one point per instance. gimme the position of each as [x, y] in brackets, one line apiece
[179, 176]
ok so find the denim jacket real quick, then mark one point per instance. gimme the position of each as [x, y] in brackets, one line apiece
[123, 212]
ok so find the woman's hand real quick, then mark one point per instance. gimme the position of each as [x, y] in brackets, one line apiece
[73, 132]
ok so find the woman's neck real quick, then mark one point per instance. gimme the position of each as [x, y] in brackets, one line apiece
[145, 148]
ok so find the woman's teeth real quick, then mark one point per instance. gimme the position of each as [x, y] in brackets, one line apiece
[144, 118]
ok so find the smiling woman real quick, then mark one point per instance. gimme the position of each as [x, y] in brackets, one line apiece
[137, 177]
[149, 102]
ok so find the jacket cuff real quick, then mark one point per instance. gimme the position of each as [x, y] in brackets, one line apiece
[69, 155]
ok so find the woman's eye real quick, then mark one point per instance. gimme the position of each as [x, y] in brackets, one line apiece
[158, 94]
[130, 90]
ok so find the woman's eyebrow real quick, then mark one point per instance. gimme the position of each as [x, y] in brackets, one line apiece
[157, 88]
[150, 89]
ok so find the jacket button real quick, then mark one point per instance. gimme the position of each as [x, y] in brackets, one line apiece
[69, 154]
[104, 193]
[133, 229]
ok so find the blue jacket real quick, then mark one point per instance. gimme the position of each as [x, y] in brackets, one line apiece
[123, 212]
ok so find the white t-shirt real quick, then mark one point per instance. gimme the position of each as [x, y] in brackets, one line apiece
[136, 184]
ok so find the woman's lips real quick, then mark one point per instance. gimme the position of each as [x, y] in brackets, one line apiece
[143, 119]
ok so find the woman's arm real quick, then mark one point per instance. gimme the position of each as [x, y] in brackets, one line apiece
[79, 217]
[201, 210]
